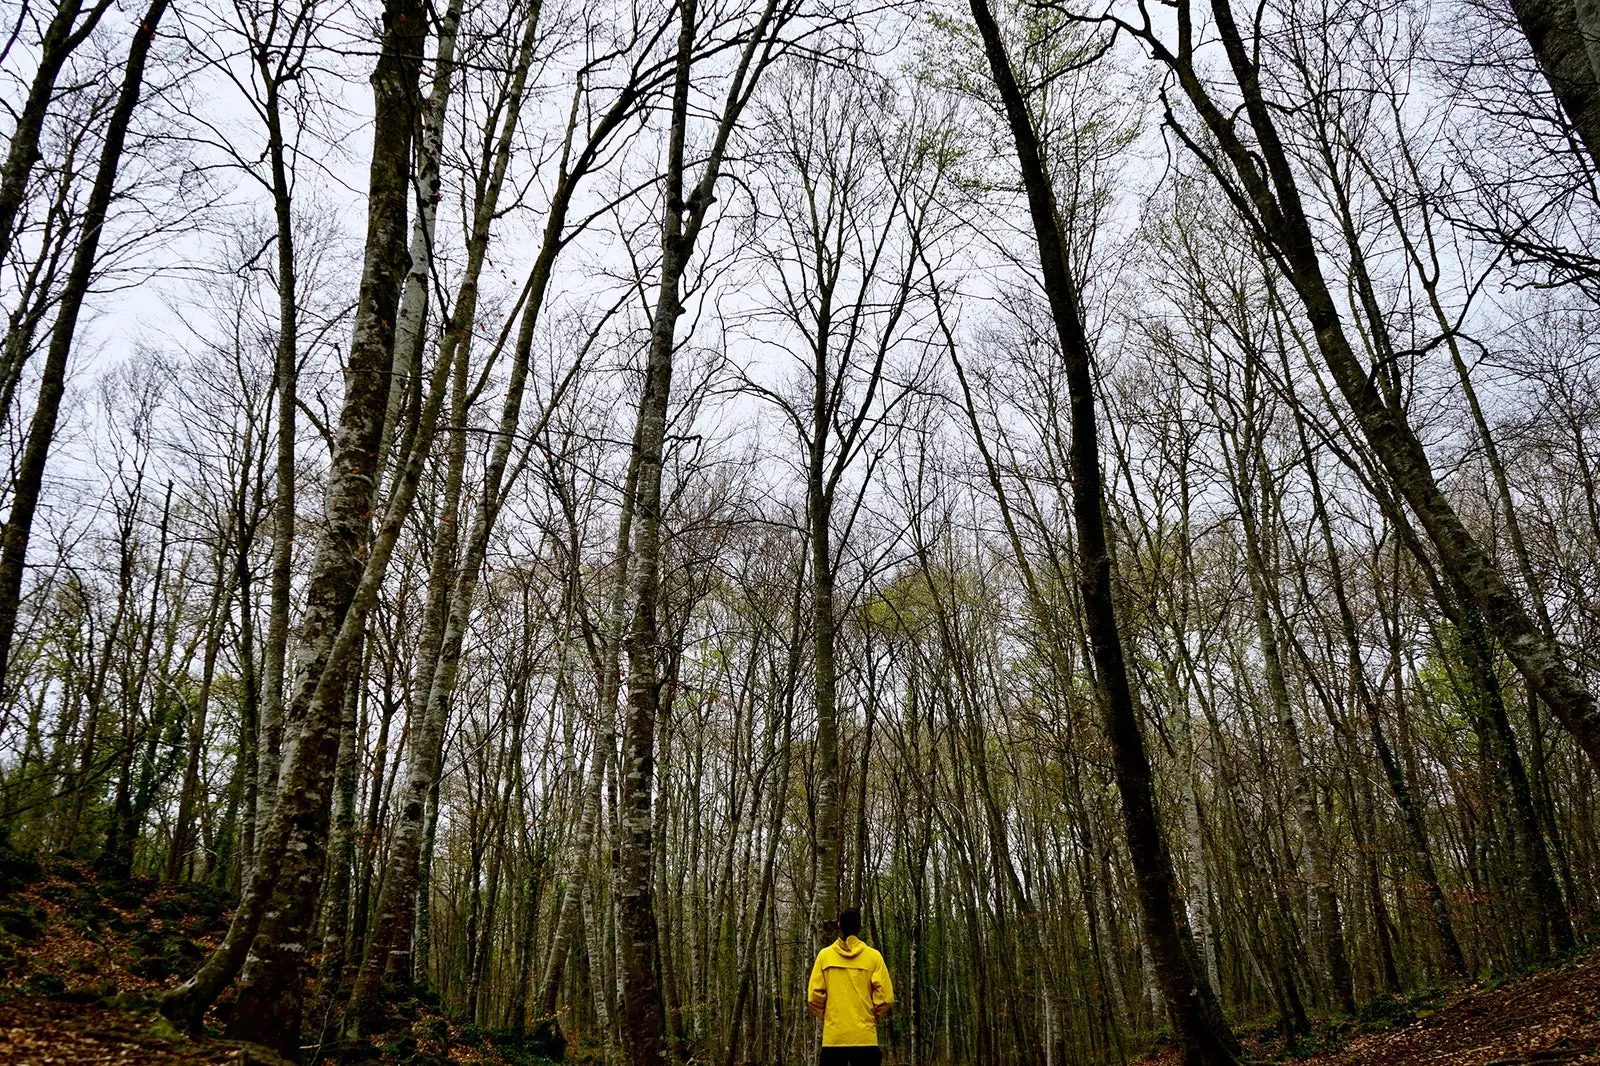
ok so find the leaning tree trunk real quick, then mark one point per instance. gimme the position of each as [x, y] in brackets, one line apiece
[389, 949]
[288, 865]
[1273, 197]
[1565, 37]
[29, 483]
[61, 38]
[1196, 1017]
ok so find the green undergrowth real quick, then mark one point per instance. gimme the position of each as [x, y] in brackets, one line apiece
[413, 1030]
[1272, 1041]
[70, 934]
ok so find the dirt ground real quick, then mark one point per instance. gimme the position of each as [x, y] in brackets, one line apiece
[44, 1032]
[1551, 1017]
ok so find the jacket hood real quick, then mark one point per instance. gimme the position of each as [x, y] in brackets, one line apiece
[849, 947]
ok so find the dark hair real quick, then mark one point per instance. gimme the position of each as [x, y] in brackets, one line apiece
[849, 922]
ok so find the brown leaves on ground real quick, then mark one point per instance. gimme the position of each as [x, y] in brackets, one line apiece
[1550, 1018]
[37, 1031]
[69, 935]
[1545, 1018]
[82, 958]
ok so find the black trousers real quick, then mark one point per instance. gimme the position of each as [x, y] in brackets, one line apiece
[851, 1056]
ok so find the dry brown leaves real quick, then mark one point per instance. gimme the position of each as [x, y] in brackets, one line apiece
[1546, 1018]
[43, 1032]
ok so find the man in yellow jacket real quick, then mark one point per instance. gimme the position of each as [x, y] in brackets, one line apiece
[849, 991]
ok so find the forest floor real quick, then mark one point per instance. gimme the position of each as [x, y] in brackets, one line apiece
[82, 960]
[1547, 1018]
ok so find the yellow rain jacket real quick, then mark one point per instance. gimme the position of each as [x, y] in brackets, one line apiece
[849, 991]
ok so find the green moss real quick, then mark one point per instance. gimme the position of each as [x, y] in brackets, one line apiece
[23, 921]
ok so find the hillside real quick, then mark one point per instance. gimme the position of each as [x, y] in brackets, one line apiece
[1548, 1017]
[82, 961]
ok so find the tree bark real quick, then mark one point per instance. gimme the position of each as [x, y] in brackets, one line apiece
[288, 863]
[29, 482]
[1565, 37]
[1197, 1019]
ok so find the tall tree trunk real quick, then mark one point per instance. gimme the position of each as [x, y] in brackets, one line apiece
[1324, 925]
[643, 1013]
[422, 933]
[829, 828]
[275, 647]
[29, 482]
[343, 573]
[389, 949]
[1565, 37]
[334, 914]
[61, 38]
[1271, 195]
[1197, 1019]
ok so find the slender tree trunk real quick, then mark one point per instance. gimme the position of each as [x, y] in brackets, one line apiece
[188, 794]
[275, 649]
[1325, 929]
[335, 914]
[422, 900]
[1274, 196]
[1197, 1019]
[29, 483]
[344, 572]
[62, 36]
[389, 949]
[749, 953]
[644, 1022]
[394, 911]
[643, 1013]
[605, 741]
[411, 324]
[825, 895]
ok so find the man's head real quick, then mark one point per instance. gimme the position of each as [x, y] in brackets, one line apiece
[849, 923]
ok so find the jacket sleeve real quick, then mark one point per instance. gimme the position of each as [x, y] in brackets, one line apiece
[817, 991]
[882, 989]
